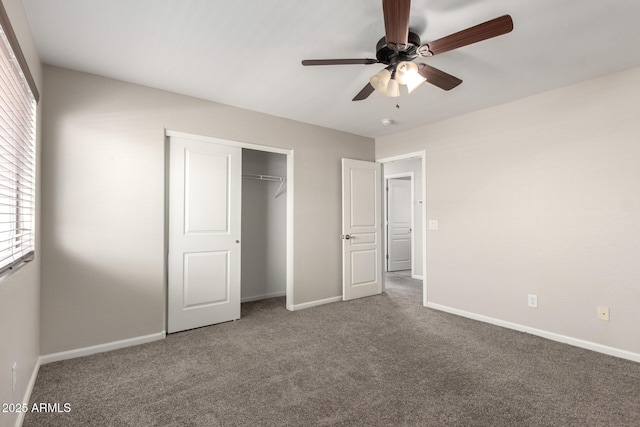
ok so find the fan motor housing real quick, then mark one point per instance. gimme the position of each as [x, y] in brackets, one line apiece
[388, 56]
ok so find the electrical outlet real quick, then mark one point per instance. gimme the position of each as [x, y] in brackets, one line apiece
[14, 376]
[433, 224]
[603, 313]
[532, 301]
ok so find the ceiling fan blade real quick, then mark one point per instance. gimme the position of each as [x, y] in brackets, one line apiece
[486, 30]
[438, 78]
[364, 93]
[396, 23]
[363, 61]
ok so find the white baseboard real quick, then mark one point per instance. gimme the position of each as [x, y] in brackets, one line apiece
[27, 394]
[100, 348]
[417, 277]
[576, 342]
[265, 296]
[314, 303]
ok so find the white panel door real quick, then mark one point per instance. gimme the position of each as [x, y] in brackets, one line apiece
[204, 233]
[399, 206]
[361, 229]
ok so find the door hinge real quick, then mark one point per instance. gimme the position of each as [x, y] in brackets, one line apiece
[387, 256]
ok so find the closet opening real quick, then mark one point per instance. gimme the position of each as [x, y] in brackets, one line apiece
[229, 228]
[264, 225]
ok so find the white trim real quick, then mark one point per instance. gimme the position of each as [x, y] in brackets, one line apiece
[576, 342]
[315, 303]
[417, 277]
[100, 348]
[265, 296]
[248, 145]
[399, 175]
[27, 393]
[290, 242]
[423, 212]
[407, 156]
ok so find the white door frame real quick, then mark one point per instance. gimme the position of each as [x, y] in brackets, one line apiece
[386, 218]
[289, 195]
[423, 218]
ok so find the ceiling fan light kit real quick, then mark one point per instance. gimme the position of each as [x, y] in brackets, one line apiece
[400, 47]
[388, 82]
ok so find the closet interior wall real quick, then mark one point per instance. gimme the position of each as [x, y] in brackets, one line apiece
[264, 226]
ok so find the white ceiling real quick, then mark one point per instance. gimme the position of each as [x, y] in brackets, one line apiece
[247, 53]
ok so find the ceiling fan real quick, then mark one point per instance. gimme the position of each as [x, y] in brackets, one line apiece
[400, 47]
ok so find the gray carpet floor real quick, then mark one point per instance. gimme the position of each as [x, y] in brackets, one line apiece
[377, 361]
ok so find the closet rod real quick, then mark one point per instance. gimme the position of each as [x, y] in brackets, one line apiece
[280, 179]
[265, 177]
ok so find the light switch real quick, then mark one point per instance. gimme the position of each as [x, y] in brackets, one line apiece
[433, 224]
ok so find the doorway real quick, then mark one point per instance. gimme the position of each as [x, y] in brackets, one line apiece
[399, 222]
[205, 241]
[413, 167]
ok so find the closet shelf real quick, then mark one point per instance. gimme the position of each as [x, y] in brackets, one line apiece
[280, 179]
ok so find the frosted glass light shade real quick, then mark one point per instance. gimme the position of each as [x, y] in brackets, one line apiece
[393, 88]
[383, 83]
[380, 81]
[414, 82]
[406, 71]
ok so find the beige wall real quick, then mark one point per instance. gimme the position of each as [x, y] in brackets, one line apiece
[20, 291]
[539, 196]
[103, 202]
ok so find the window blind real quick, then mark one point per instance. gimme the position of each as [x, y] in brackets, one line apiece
[17, 158]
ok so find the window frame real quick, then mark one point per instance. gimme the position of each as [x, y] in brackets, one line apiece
[19, 152]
